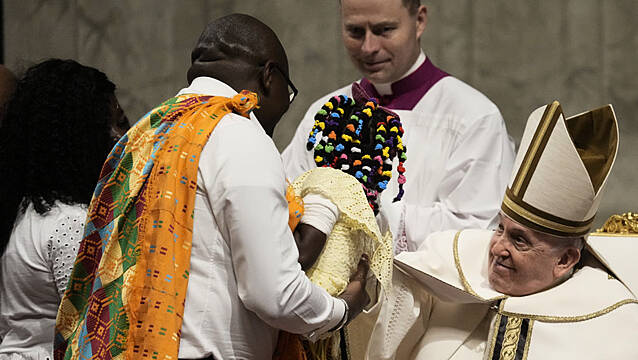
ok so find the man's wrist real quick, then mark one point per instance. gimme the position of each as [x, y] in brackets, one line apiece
[344, 319]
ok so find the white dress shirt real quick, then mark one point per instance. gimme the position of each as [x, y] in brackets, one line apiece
[35, 271]
[245, 281]
[459, 161]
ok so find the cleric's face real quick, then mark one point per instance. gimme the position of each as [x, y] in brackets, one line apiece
[381, 37]
[523, 261]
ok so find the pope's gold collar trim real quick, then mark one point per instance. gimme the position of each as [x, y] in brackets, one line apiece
[459, 269]
[565, 319]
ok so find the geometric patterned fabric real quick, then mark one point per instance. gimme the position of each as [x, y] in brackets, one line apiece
[125, 297]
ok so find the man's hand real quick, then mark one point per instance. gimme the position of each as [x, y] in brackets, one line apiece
[355, 293]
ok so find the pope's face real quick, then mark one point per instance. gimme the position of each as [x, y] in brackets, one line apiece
[382, 37]
[523, 261]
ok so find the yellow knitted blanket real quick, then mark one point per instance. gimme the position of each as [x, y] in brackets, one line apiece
[355, 232]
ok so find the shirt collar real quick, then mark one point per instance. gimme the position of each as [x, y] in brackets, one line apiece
[204, 85]
[208, 86]
[386, 88]
[408, 91]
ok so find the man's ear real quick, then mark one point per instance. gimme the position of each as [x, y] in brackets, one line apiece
[567, 261]
[267, 76]
[421, 20]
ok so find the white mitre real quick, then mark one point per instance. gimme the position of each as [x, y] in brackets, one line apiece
[561, 169]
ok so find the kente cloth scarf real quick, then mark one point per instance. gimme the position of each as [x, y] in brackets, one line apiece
[125, 298]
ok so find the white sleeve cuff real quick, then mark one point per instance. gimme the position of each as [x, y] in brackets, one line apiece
[320, 213]
[338, 312]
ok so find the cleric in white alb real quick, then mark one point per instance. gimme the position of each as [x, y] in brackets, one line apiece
[459, 153]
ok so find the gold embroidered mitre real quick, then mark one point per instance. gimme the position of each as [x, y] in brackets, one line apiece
[560, 170]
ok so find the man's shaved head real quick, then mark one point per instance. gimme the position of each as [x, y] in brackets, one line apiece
[244, 53]
[237, 37]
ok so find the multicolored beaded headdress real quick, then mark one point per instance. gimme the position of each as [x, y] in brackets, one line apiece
[361, 140]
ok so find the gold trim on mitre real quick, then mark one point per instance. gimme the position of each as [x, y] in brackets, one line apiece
[541, 136]
[536, 219]
[593, 135]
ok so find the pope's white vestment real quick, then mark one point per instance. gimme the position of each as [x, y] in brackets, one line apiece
[442, 307]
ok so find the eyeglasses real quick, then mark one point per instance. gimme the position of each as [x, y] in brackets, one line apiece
[292, 90]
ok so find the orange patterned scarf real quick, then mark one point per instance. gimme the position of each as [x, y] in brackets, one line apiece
[125, 297]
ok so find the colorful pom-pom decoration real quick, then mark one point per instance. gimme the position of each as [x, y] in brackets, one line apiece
[354, 139]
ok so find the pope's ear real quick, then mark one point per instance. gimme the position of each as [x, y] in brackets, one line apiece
[568, 259]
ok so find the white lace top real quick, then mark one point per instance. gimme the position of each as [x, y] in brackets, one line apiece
[35, 271]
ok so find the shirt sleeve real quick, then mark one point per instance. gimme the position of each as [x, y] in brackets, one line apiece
[63, 248]
[252, 213]
[471, 192]
[319, 212]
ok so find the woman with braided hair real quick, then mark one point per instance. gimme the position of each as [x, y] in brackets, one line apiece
[354, 144]
[60, 125]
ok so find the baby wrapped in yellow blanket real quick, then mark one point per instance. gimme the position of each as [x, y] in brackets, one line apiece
[355, 232]
[354, 145]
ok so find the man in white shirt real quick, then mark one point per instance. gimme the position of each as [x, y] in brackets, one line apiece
[244, 280]
[459, 153]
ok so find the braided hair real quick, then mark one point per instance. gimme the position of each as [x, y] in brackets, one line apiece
[361, 140]
[54, 139]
